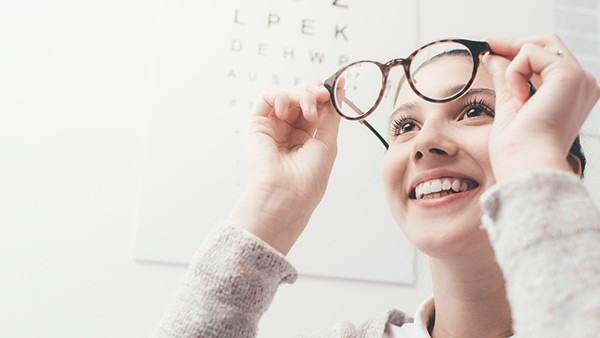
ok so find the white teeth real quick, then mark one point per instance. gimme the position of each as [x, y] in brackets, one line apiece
[440, 187]
[436, 186]
[426, 188]
[456, 185]
[446, 185]
[437, 195]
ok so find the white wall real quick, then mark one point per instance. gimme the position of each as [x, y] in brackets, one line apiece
[75, 83]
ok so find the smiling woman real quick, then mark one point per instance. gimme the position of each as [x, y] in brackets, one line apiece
[471, 174]
[431, 142]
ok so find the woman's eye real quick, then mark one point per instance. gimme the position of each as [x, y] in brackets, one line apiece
[406, 127]
[474, 111]
[403, 126]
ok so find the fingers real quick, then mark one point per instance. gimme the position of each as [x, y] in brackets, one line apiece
[531, 60]
[305, 108]
[497, 67]
[532, 64]
[328, 128]
[540, 60]
[510, 47]
[566, 92]
[288, 105]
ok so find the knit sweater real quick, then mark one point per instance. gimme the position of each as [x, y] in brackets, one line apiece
[544, 227]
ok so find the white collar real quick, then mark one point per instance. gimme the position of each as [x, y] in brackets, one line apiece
[417, 329]
[423, 313]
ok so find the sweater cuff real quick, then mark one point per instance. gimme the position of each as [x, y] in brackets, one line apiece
[230, 246]
[230, 282]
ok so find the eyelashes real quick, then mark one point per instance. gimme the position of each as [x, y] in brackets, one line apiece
[477, 105]
[401, 125]
[472, 108]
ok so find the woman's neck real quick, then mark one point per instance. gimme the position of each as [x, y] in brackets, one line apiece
[470, 298]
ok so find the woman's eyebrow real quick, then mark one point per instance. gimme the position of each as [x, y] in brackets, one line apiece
[474, 90]
[486, 91]
[403, 107]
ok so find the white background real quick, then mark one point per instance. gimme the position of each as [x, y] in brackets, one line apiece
[75, 89]
[193, 166]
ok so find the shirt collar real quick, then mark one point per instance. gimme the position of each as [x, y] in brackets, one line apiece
[422, 315]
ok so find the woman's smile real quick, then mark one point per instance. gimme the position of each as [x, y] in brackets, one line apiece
[441, 187]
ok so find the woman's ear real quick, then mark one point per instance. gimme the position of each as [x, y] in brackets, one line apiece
[575, 163]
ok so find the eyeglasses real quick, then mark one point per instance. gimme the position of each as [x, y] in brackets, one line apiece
[358, 88]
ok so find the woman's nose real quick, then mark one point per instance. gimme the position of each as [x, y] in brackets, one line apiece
[434, 141]
[419, 154]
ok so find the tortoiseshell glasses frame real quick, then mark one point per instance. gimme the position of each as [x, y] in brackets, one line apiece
[476, 50]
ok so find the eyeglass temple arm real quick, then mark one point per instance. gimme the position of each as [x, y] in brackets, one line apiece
[365, 122]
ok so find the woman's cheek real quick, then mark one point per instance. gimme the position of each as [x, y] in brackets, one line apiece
[483, 156]
[393, 172]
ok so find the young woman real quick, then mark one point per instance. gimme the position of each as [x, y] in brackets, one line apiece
[480, 175]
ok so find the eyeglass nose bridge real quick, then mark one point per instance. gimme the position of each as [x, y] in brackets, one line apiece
[386, 69]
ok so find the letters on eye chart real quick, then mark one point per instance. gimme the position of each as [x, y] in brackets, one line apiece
[270, 42]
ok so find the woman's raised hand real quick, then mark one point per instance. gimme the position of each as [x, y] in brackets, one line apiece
[536, 132]
[291, 150]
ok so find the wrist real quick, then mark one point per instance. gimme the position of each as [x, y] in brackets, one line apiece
[276, 217]
[514, 164]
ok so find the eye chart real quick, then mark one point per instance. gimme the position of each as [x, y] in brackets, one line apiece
[214, 60]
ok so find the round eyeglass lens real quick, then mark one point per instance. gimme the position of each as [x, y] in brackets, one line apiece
[442, 70]
[358, 88]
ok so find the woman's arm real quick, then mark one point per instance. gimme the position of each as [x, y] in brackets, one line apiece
[232, 279]
[543, 225]
[545, 230]
[292, 146]
[229, 284]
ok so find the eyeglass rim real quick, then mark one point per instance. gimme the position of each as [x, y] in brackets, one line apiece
[476, 48]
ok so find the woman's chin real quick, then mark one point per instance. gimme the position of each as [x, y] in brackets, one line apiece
[445, 241]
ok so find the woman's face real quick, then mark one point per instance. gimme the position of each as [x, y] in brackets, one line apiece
[437, 165]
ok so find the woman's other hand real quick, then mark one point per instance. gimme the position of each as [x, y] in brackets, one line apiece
[536, 132]
[291, 150]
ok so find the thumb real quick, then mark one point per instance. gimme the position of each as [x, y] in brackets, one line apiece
[496, 66]
[327, 129]
[505, 101]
